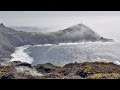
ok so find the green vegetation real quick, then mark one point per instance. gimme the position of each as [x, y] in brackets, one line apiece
[104, 76]
[2, 73]
[49, 65]
[87, 68]
[100, 67]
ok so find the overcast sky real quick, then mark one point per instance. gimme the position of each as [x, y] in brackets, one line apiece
[99, 21]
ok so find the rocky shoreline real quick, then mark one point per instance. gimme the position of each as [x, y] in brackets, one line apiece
[85, 70]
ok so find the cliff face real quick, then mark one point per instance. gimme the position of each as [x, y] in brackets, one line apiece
[10, 38]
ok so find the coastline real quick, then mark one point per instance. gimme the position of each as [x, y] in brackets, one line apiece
[83, 70]
[20, 55]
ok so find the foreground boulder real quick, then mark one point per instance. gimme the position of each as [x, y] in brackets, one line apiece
[19, 63]
[46, 68]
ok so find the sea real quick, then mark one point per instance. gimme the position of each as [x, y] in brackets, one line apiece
[64, 53]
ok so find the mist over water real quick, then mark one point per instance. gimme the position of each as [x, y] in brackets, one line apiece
[64, 53]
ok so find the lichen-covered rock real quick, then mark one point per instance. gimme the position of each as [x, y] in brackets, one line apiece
[46, 68]
[19, 63]
[99, 67]
[104, 76]
[86, 70]
[13, 72]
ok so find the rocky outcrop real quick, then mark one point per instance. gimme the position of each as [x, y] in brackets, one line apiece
[89, 69]
[105, 39]
[46, 68]
[19, 63]
[86, 70]
[18, 70]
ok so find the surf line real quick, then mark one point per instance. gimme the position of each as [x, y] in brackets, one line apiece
[21, 55]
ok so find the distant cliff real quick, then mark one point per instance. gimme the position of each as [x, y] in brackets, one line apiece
[10, 38]
[77, 33]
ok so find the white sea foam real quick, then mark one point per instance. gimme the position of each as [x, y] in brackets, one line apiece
[21, 55]
[75, 43]
[43, 45]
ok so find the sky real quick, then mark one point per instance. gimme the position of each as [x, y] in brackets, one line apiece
[100, 21]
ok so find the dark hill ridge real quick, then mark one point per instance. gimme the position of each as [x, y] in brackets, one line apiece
[10, 38]
[77, 33]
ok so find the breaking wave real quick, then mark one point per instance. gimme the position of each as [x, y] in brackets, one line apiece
[21, 55]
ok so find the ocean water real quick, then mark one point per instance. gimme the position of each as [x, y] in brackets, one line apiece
[64, 53]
